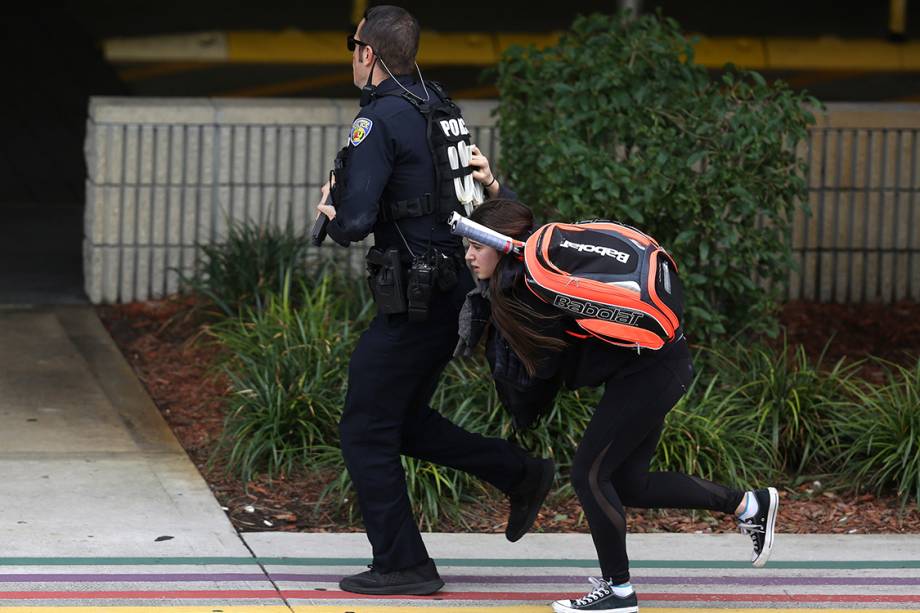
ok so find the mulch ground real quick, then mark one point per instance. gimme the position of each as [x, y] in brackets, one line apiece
[166, 345]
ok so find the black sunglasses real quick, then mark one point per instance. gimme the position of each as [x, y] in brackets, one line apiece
[353, 42]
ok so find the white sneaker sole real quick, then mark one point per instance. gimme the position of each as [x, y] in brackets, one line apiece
[560, 606]
[761, 560]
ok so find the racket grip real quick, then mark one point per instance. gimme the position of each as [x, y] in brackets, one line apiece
[461, 226]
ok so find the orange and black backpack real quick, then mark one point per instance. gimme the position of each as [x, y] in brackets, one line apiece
[617, 283]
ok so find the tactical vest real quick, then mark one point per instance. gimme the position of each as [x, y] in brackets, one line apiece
[449, 144]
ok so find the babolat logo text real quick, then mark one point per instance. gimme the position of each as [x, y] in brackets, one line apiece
[594, 311]
[620, 256]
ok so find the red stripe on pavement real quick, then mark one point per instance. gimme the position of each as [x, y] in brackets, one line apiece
[543, 596]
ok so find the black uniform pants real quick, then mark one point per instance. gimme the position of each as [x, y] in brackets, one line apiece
[611, 465]
[393, 373]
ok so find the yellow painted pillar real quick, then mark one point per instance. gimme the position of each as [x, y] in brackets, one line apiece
[357, 11]
[897, 19]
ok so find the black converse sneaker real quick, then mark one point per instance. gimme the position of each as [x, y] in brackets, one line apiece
[760, 527]
[600, 600]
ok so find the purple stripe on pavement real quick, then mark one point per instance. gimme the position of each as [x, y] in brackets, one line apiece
[640, 580]
[482, 579]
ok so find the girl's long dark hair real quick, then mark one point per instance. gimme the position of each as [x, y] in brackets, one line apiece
[517, 322]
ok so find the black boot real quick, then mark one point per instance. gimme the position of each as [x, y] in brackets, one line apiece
[528, 496]
[415, 581]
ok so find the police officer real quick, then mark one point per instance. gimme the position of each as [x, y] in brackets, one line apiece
[391, 182]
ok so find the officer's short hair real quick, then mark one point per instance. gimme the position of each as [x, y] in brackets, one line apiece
[393, 34]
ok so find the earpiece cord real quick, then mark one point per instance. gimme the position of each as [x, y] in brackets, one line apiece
[427, 97]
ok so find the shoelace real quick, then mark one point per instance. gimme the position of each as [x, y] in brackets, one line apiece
[600, 590]
[751, 530]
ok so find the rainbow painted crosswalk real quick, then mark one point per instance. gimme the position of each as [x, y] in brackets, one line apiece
[512, 585]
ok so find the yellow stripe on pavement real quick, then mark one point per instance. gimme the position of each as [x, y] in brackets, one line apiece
[359, 608]
[182, 609]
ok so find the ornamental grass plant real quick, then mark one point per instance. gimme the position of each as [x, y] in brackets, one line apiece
[288, 368]
[753, 413]
[792, 402]
[254, 261]
[880, 432]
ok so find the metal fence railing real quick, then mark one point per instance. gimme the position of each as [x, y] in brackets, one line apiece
[166, 177]
[861, 241]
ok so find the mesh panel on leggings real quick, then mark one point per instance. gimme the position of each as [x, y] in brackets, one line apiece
[615, 516]
[719, 493]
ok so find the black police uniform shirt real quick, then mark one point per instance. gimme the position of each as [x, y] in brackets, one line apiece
[389, 160]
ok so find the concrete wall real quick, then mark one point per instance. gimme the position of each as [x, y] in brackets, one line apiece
[166, 176]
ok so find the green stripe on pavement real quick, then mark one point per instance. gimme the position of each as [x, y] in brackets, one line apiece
[216, 561]
[462, 562]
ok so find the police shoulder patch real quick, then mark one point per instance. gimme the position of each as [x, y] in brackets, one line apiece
[359, 130]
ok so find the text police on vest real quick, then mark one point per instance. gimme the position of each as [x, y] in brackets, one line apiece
[454, 127]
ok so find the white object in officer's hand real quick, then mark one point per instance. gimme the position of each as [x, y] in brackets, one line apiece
[478, 190]
[469, 191]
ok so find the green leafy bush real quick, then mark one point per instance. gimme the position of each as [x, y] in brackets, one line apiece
[881, 432]
[617, 121]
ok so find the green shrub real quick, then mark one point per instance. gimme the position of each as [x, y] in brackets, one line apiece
[790, 402]
[288, 369]
[617, 121]
[881, 432]
[250, 265]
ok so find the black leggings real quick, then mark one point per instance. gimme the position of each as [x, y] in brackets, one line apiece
[611, 466]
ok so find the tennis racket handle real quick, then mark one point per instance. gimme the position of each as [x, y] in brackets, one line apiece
[461, 226]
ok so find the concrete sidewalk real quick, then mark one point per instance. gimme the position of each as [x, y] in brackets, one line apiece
[102, 510]
[89, 467]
